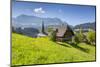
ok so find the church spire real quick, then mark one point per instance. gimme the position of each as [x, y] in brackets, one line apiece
[42, 27]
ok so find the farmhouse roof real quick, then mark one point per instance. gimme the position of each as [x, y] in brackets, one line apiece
[63, 29]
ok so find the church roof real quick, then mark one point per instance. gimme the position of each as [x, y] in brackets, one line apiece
[41, 35]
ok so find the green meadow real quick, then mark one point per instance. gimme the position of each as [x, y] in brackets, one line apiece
[41, 50]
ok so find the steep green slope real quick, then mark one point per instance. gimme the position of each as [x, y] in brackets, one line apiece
[26, 50]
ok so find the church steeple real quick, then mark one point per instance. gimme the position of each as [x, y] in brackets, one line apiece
[42, 27]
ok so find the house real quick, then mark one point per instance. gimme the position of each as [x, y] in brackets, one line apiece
[64, 33]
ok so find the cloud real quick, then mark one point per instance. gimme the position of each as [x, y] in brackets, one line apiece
[39, 10]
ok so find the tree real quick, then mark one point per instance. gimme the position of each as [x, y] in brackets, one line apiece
[79, 37]
[53, 35]
[91, 37]
[75, 39]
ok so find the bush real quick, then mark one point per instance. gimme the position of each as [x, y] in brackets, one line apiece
[91, 37]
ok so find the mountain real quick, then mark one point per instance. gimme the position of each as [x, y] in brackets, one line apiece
[31, 25]
[86, 26]
[31, 32]
[34, 21]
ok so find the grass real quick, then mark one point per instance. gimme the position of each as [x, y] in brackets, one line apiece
[27, 50]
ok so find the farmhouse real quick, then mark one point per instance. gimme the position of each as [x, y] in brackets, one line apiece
[64, 33]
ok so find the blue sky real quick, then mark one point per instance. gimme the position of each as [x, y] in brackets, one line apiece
[72, 14]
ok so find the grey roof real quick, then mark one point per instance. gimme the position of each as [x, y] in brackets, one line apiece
[62, 30]
[41, 35]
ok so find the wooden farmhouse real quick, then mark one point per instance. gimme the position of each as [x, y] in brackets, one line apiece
[64, 33]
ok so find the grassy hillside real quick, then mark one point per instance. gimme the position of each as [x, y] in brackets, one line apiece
[26, 50]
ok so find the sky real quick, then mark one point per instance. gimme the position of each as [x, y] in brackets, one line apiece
[72, 14]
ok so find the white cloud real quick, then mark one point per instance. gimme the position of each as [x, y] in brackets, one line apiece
[39, 10]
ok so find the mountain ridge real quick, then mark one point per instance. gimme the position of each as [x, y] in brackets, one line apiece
[23, 20]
